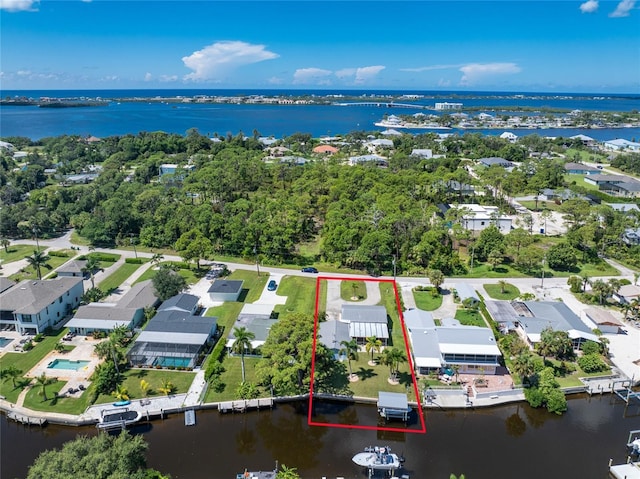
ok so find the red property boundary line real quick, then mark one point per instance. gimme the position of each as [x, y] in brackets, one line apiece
[310, 421]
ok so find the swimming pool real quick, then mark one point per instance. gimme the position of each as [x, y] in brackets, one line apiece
[67, 364]
[4, 342]
[167, 361]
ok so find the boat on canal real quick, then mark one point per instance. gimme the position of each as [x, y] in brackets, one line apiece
[118, 418]
[378, 458]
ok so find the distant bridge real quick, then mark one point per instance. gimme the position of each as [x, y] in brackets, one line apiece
[382, 104]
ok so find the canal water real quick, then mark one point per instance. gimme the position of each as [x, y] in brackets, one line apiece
[503, 442]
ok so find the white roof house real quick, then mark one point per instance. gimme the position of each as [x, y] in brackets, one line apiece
[465, 291]
[366, 321]
[603, 320]
[507, 135]
[478, 217]
[621, 144]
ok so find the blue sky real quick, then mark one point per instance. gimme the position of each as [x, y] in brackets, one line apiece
[512, 45]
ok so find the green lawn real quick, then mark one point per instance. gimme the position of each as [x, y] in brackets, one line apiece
[29, 272]
[180, 379]
[579, 180]
[470, 318]
[25, 361]
[495, 291]
[34, 400]
[484, 271]
[353, 290]
[531, 205]
[17, 252]
[388, 300]
[190, 276]
[253, 284]
[301, 295]
[119, 276]
[232, 377]
[226, 313]
[426, 301]
[373, 379]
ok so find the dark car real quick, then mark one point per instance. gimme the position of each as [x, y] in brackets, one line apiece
[272, 286]
[309, 269]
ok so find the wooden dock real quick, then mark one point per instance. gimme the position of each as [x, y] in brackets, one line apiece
[29, 421]
[245, 404]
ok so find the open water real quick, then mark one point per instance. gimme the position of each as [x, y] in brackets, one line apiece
[503, 442]
[123, 117]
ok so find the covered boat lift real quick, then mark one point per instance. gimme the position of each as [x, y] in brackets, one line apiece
[393, 405]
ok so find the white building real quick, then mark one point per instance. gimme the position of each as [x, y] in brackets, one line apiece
[478, 217]
[448, 106]
[621, 144]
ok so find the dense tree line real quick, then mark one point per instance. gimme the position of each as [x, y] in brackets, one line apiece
[236, 203]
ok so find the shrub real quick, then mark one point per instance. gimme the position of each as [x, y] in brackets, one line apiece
[590, 347]
[59, 254]
[27, 346]
[592, 363]
[133, 260]
[38, 337]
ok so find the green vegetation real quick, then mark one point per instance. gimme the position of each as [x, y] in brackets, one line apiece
[389, 302]
[502, 291]
[372, 379]
[353, 290]
[31, 272]
[63, 405]
[131, 382]
[15, 252]
[232, 377]
[469, 317]
[119, 276]
[427, 300]
[301, 295]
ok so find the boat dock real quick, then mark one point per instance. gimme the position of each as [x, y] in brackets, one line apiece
[245, 405]
[29, 421]
[189, 417]
[118, 418]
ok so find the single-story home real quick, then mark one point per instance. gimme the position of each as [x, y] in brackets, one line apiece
[621, 144]
[603, 320]
[623, 207]
[259, 325]
[627, 293]
[325, 150]
[31, 306]
[225, 290]
[368, 159]
[580, 169]
[5, 284]
[183, 302]
[479, 217]
[465, 292]
[365, 322]
[332, 334]
[509, 136]
[491, 161]
[422, 153]
[631, 236]
[74, 268]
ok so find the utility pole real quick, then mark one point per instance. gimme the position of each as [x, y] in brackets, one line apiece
[133, 242]
[35, 234]
[255, 252]
[542, 284]
[394, 267]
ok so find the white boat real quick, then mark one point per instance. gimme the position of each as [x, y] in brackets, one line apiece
[118, 418]
[378, 458]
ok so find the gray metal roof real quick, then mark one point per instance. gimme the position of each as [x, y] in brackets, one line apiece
[226, 286]
[418, 319]
[332, 333]
[172, 337]
[425, 347]
[259, 326]
[182, 302]
[501, 311]
[465, 291]
[364, 314]
[389, 400]
[32, 296]
[97, 323]
[105, 311]
[367, 330]
[6, 283]
[73, 266]
[555, 314]
[140, 295]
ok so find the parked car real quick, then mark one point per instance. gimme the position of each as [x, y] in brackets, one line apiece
[272, 286]
[309, 269]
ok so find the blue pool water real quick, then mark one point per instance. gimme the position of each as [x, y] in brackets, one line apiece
[67, 364]
[4, 342]
[166, 361]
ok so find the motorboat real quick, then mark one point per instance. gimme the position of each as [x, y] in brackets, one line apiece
[378, 458]
[118, 418]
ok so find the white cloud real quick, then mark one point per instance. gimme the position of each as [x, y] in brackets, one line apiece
[443, 82]
[430, 67]
[312, 75]
[19, 5]
[23, 73]
[346, 73]
[364, 74]
[275, 81]
[148, 76]
[168, 78]
[475, 72]
[623, 9]
[213, 62]
[589, 6]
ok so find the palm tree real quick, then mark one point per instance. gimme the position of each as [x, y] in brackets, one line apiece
[167, 387]
[523, 365]
[37, 260]
[373, 345]
[121, 393]
[43, 381]
[90, 267]
[11, 372]
[287, 473]
[145, 387]
[503, 286]
[5, 244]
[392, 358]
[350, 350]
[456, 371]
[241, 344]
[156, 259]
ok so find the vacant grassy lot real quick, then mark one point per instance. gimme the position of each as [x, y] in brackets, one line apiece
[119, 276]
[190, 276]
[389, 302]
[66, 405]
[29, 272]
[508, 292]
[17, 252]
[180, 379]
[373, 379]
[232, 378]
[426, 301]
[301, 295]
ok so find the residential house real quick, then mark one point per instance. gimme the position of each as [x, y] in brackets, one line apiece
[365, 322]
[391, 132]
[602, 320]
[580, 169]
[620, 144]
[478, 217]
[625, 295]
[586, 140]
[600, 179]
[174, 172]
[629, 189]
[225, 290]
[183, 302]
[325, 150]
[373, 159]
[466, 294]
[448, 106]
[491, 161]
[422, 153]
[31, 307]
[510, 137]
[5, 284]
[255, 318]
[631, 236]
[624, 207]
[332, 334]
[74, 269]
